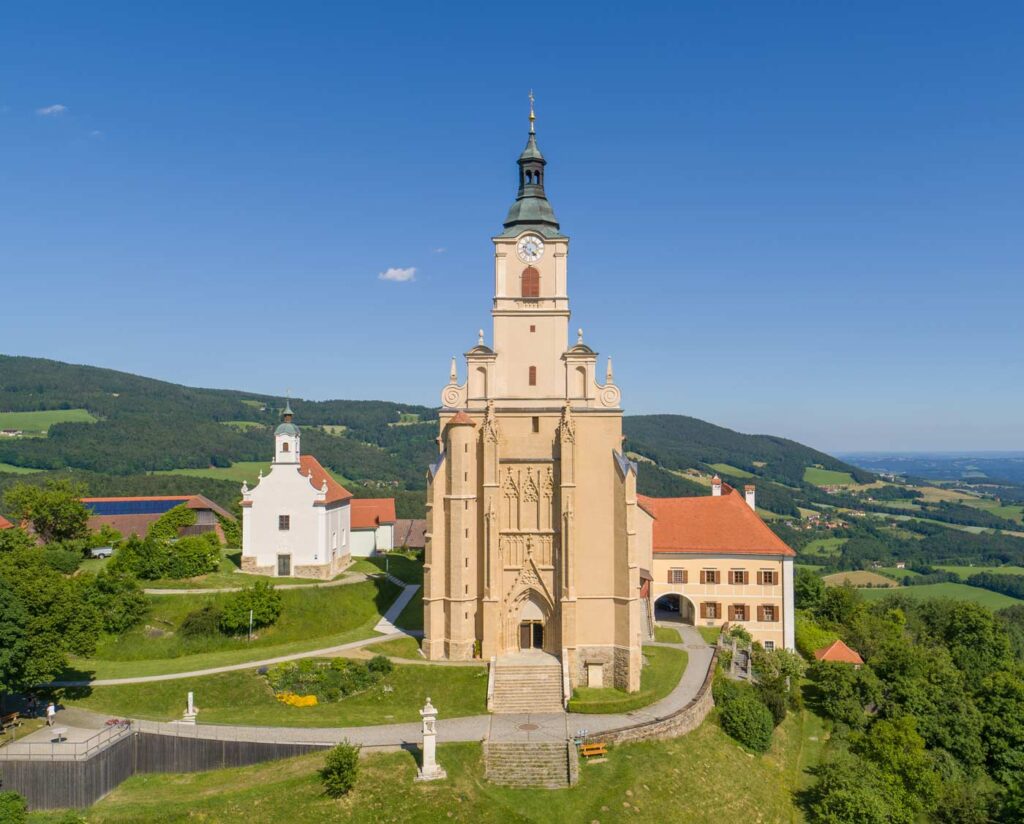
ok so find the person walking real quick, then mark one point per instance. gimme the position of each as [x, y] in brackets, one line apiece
[51, 714]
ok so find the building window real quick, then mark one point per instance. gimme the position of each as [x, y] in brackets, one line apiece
[536, 424]
[533, 328]
[284, 522]
[709, 576]
[708, 610]
[767, 613]
[738, 576]
[769, 646]
[677, 576]
[738, 612]
[533, 376]
[767, 577]
[284, 446]
[530, 283]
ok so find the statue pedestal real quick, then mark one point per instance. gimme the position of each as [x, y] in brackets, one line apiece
[431, 770]
[189, 718]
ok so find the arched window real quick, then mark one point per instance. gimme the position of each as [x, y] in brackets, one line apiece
[581, 382]
[530, 283]
[533, 376]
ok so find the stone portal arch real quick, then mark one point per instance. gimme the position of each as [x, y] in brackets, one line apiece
[527, 624]
[674, 607]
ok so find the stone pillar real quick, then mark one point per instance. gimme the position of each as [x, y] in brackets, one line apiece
[190, 711]
[431, 770]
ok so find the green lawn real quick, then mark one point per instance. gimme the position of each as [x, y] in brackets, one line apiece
[898, 574]
[710, 634]
[247, 471]
[827, 477]
[967, 571]
[311, 619]
[667, 635]
[662, 671]
[735, 471]
[244, 697]
[397, 648]
[992, 600]
[17, 470]
[225, 576]
[700, 777]
[38, 423]
[823, 547]
[243, 425]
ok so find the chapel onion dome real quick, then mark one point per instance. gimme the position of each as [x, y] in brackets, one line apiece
[531, 209]
[286, 427]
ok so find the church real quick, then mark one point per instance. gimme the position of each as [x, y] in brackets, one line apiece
[537, 542]
[298, 521]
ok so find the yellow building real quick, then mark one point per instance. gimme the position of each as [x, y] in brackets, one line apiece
[714, 561]
[531, 506]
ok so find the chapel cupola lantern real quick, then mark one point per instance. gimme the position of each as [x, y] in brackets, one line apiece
[286, 438]
[531, 208]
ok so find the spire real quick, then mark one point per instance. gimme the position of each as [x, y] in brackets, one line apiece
[287, 415]
[531, 209]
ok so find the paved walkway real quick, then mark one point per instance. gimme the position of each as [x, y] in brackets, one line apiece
[384, 626]
[449, 730]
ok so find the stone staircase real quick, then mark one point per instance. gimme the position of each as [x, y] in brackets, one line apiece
[533, 687]
[530, 764]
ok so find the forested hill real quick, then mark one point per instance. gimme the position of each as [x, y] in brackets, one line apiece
[143, 425]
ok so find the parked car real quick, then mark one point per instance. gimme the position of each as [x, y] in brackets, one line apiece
[101, 551]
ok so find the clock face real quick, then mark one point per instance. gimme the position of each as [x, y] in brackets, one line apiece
[530, 248]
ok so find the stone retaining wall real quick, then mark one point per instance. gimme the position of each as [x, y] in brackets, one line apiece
[670, 726]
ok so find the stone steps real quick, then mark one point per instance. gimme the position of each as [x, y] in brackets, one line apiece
[527, 764]
[525, 688]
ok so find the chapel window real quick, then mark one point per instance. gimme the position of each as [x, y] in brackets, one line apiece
[530, 283]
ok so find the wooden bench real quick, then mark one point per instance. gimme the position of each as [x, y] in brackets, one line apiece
[11, 720]
[593, 750]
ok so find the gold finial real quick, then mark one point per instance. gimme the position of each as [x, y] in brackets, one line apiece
[532, 115]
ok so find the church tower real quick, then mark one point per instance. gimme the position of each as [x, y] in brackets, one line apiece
[531, 544]
[286, 438]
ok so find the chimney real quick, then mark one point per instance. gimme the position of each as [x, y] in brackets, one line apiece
[749, 491]
[716, 486]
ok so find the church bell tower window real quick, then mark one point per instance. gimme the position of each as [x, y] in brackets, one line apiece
[530, 283]
[533, 376]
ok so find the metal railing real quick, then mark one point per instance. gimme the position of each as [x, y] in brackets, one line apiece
[249, 734]
[65, 750]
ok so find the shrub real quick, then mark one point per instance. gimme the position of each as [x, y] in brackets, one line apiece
[117, 597]
[169, 525]
[749, 721]
[192, 556]
[775, 702]
[724, 689]
[61, 559]
[106, 535]
[261, 598]
[810, 635]
[145, 559]
[13, 809]
[201, 623]
[340, 770]
[380, 664]
[232, 530]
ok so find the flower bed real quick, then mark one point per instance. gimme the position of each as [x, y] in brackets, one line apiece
[308, 682]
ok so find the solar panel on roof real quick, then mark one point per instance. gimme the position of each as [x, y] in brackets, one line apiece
[157, 507]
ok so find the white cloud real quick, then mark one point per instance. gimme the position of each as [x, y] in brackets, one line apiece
[50, 111]
[398, 275]
[96, 133]
[440, 250]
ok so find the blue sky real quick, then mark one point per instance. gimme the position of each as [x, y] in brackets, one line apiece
[801, 219]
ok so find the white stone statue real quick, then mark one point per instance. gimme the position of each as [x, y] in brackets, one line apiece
[431, 770]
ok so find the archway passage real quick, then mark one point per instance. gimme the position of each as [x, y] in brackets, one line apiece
[674, 608]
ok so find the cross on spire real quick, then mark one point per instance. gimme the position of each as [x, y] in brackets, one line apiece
[532, 115]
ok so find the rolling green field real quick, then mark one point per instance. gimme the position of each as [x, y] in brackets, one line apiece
[858, 578]
[727, 469]
[898, 574]
[311, 619]
[38, 423]
[827, 477]
[823, 548]
[244, 697]
[699, 777]
[17, 470]
[992, 600]
[247, 471]
[968, 571]
[243, 425]
[660, 675]
[1012, 512]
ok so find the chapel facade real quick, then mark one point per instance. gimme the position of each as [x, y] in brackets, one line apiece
[532, 509]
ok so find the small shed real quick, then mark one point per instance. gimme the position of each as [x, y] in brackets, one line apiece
[840, 653]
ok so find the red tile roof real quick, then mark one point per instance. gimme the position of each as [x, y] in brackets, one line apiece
[310, 466]
[369, 513]
[461, 419]
[838, 651]
[127, 525]
[5, 524]
[721, 524]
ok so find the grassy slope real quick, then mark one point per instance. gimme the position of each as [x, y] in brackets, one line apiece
[992, 600]
[858, 578]
[244, 697]
[701, 777]
[667, 635]
[311, 619]
[42, 421]
[658, 678]
[968, 571]
[827, 477]
[248, 471]
[11, 469]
